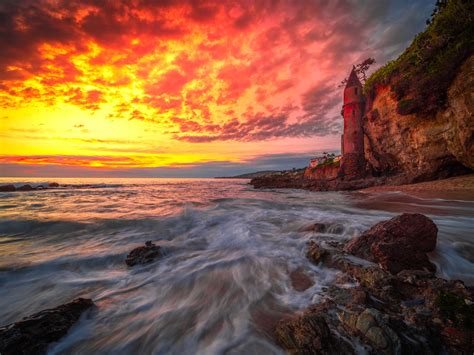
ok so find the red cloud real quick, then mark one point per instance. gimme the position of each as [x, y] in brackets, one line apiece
[197, 65]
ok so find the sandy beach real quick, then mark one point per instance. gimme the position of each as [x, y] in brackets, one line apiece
[460, 187]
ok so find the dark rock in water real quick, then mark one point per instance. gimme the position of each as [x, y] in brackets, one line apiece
[308, 334]
[316, 253]
[53, 184]
[33, 334]
[399, 243]
[25, 188]
[7, 188]
[143, 255]
[300, 281]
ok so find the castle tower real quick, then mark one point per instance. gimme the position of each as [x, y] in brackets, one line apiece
[353, 161]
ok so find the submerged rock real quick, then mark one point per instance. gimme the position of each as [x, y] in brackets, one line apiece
[143, 255]
[398, 244]
[7, 188]
[53, 184]
[33, 334]
[316, 253]
[300, 281]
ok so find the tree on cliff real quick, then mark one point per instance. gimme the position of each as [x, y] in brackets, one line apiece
[361, 70]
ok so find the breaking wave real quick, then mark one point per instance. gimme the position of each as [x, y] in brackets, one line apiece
[224, 279]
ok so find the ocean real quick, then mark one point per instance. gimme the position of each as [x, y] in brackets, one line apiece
[228, 250]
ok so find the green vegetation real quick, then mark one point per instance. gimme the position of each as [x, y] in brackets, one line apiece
[455, 309]
[428, 66]
[328, 162]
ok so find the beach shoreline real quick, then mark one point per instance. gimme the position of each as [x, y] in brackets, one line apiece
[459, 188]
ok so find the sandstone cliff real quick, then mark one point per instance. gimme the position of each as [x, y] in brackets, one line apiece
[326, 172]
[420, 146]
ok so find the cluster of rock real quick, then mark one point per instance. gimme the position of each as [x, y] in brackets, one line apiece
[143, 255]
[334, 184]
[392, 306]
[27, 187]
[33, 334]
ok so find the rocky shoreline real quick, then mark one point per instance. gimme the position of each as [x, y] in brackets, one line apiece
[386, 299]
[27, 187]
[462, 184]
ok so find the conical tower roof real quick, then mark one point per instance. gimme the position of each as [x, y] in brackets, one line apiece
[353, 79]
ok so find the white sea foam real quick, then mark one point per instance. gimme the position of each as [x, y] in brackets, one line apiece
[228, 253]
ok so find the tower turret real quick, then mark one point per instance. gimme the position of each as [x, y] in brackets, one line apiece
[353, 161]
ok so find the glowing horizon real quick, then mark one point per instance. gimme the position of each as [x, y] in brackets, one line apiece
[180, 84]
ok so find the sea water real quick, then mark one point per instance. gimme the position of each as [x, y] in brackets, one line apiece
[228, 251]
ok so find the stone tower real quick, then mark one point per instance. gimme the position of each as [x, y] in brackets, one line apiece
[353, 161]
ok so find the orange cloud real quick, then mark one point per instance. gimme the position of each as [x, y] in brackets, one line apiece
[192, 71]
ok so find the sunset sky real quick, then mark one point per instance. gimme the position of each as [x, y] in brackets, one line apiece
[183, 88]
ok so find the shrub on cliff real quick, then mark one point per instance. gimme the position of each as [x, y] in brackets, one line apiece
[423, 73]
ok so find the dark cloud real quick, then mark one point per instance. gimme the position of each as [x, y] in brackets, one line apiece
[268, 48]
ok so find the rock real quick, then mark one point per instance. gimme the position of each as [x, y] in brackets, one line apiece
[33, 334]
[143, 255]
[371, 277]
[25, 188]
[300, 281]
[350, 298]
[316, 253]
[7, 188]
[326, 172]
[373, 327]
[53, 184]
[399, 243]
[308, 334]
[298, 182]
[459, 340]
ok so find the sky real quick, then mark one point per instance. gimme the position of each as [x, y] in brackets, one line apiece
[185, 88]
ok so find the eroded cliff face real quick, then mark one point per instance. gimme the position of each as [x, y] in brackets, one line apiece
[324, 173]
[423, 147]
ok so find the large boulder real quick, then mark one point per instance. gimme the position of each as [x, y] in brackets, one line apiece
[143, 255]
[398, 244]
[33, 334]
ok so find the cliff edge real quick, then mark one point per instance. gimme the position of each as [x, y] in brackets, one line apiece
[423, 147]
[418, 122]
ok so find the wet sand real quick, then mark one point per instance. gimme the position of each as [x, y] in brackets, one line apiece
[460, 187]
